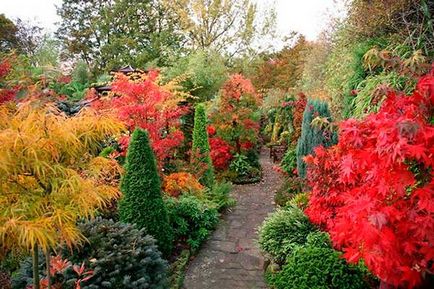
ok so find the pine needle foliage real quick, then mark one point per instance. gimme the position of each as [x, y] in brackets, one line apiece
[313, 136]
[200, 148]
[122, 257]
[142, 202]
[49, 177]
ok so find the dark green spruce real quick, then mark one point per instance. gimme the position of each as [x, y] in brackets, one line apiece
[311, 136]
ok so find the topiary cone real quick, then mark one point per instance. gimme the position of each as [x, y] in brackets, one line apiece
[142, 202]
[200, 155]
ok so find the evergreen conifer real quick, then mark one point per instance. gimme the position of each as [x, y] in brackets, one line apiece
[142, 202]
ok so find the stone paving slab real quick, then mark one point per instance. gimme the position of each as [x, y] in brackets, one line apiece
[231, 259]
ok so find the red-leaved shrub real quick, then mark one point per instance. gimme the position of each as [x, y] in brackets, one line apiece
[374, 191]
[6, 93]
[220, 153]
[143, 102]
[235, 119]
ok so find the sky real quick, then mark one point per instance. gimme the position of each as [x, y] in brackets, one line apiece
[41, 12]
[308, 17]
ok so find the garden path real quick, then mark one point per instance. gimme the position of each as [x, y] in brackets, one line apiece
[231, 259]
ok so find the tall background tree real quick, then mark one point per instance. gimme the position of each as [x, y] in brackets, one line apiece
[19, 35]
[282, 69]
[8, 37]
[108, 34]
[225, 26]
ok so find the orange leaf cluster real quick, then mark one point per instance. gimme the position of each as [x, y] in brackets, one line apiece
[177, 183]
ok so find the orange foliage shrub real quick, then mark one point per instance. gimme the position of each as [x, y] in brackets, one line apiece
[177, 183]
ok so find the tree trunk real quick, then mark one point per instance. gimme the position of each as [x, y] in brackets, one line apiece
[47, 264]
[36, 284]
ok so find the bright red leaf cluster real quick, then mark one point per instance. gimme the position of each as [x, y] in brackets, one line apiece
[374, 191]
[142, 102]
[6, 93]
[220, 153]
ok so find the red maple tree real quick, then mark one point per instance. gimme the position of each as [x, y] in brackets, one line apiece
[373, 191]
[236, 120]
[141, 101]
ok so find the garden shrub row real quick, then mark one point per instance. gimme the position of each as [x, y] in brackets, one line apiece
[302, 257]
[154, 225]
[370, 190]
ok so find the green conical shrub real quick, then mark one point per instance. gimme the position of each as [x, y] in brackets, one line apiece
[142, 202]
[200, 156]
[312, 136]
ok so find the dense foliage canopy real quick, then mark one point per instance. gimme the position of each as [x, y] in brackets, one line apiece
[141, 102]
[110, 34]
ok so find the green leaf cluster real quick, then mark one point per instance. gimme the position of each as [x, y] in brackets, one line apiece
[373, 90]
[282, 231]
[317, 265]
[289, 160]
[202, 73]
[219, 195]
[240, 165]
[192, 220]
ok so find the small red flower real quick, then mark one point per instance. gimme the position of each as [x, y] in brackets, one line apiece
[247, 145]
[211, 130]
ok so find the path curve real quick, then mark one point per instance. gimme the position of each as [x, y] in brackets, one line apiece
[231, 259]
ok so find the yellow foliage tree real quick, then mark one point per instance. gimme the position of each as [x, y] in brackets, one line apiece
[49, 177]
[221, 25]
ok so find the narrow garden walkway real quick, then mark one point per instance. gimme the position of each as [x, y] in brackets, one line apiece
[231, 258]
